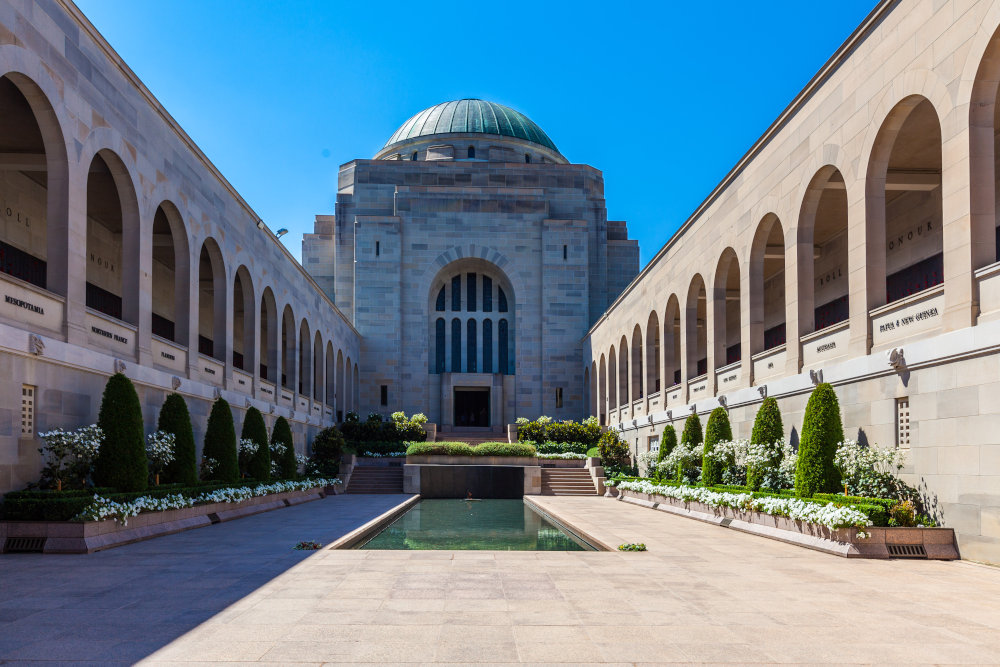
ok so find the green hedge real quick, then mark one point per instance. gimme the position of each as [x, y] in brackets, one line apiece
[121, 463]
[822, 431]
[551, 447]
[64, 505]
[717, 430]
[220, 443]
[767, 429]
[464, 449]
[175, 418]
[282, 433]
[254, 428]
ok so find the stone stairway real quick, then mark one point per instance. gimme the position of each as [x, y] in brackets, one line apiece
[376, 479]
[567, 482]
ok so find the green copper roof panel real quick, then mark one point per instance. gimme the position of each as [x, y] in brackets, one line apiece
[472, 116]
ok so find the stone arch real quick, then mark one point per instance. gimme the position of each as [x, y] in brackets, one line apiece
[212, 292]
[984, 152]
[357, 388]
[612, 380]
[592, 407]
[672, 342]
[305, 367]
[339, 400]
[171, 275]
[726, 307]
[269, 327]
[635, 365]
[317, 367]
[767, 285]
[349, 386]
[822, 249]
[602, 389]
[623, 372]
[695, 328]
[244, 321]
[331, 369]
[652, 360]
[288, 348]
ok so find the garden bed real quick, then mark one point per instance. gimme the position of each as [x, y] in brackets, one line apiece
[881, 542]
[77, 537]
[472, 460]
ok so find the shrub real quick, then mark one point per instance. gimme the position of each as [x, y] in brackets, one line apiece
[287, 466]
[594, 452]
[717, 430]
[585, 434]
[69, 456]
[668, 441]
[504, 449]
[174, 418]
[767, 430]
[254, 428]
[220, 443]
[550, 447]
[464, 449]
[398, 428]
[615, 456]
[121, 462]
[327, 449]
[691, 439]
[822, 430]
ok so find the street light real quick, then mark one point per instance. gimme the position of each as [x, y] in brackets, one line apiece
[281, 232]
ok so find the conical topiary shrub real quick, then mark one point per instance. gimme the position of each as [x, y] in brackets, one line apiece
[717, 430]
[174, 418]
[255, 429]
[282, 434]
[220, 443]
[667, 443]
[822, 431]
[767, 429]
[121, 462]
[691, 438]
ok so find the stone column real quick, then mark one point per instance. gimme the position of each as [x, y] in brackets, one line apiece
[865, 257]
[961, 247]
[793, 351]
[67, 262]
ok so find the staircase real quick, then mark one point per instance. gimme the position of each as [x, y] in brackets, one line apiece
[376, 479]
[567, 482]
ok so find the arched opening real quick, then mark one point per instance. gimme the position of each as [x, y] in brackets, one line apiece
[338, 403]
[695, 330]
[357, 388]
[414, 156]
[317, 370]
[349, 386]
[586, 387]
[984, 158]
[602, 389]
[593, 408]
[171, 275]
[623, 374]
[305, 360]
[331, 369]
[288, 360]
[767, 285]
[904, 204]
[823, 283]
[672, 342]
[612, 380]
[112, 239]
[268, 337]
[635, 386]
[726, 304]
[33, 187]
[211, 302]
[471, 153]
[653, 353]
[243, 323]
[527, 158]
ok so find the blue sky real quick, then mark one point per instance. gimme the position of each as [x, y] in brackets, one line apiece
[662, 97]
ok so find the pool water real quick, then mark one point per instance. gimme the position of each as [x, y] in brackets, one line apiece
[495, 525]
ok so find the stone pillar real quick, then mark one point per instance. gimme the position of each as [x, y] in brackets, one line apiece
[961, 247]
[865, 257]
[67, 262]
[793, 351]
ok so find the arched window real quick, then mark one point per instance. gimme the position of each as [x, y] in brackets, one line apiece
[439, 345]
[439, 306]
[472, 152]
[502, 299]
[487, 294]
[456, 294]
[471, 340]
[527, 158]
[502, 351]
[414, 156]
[456, 346]
[487, 346]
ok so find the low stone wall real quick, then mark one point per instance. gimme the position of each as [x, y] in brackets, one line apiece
[81, 537]
[426, 459]
[562, 463]
[931, 543]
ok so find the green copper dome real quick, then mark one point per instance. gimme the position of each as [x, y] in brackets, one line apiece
[475, 116]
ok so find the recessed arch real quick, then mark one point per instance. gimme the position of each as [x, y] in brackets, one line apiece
[331, 369]
[288, 348]
[623, 374]
[268, 364]
[349, 386]
[602, 389]
[672, 342]
[357, 388]
[984, 157]
[244, 323]
[212, 290]
[635, 384]
[695, 330]
[317, 369]
[171, 275]
[304, 373]
[339, 404]
[653, 366]
[726, 309]
[612, 379]
[767, 285]
[822, 252]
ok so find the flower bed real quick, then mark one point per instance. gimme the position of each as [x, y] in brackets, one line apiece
[843, 530]
[105, 523]
[491, 449]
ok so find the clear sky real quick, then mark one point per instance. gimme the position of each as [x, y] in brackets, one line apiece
[663, 97]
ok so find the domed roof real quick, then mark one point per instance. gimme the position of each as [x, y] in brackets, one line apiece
[472, 116]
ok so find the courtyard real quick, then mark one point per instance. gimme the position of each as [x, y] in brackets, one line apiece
[236, 592]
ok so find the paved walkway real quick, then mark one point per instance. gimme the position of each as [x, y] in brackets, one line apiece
[235, 593]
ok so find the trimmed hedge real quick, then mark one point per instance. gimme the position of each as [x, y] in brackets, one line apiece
[767, 429]
[220, 443]
[518, 449]
[121, 462]
[254, 428]
[551, 447]
[691, 435]
[327, 451]
[286, 463]
[380, 447]
[175, 418]
[718, 430]
[822, 430]
[668, 441]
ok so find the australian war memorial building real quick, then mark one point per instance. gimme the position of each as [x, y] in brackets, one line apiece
[472, 257]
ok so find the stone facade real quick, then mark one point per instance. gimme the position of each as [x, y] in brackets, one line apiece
[108, 209]
[422, 219]
[855, 243]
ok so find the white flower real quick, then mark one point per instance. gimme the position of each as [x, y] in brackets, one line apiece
[248, 447]
[563, 455]
[160, 449]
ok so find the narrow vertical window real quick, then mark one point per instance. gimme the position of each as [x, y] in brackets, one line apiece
[414, 156]
[559, 397]
[384, 398]
[27, 410]
[471, 340]
[471, 153]
[502, 352]
[439, 344]
[439, 306]
[527, 158]
[565, 252]
[903, 423]
[456, 346]
[502, 299]
[470, 292]
[487, 346]
[378, 249]
[456, 294]
[487, 295]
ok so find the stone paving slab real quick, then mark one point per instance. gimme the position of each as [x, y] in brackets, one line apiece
[700, 594]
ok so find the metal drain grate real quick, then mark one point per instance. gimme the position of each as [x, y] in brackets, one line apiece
[24, 545]
[907, 550]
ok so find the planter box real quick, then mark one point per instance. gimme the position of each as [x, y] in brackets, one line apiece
[81, 537]
[473, 460]
[931, 543]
